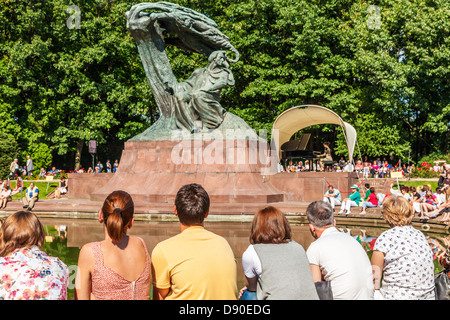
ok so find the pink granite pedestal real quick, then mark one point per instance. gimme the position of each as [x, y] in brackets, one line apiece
[154, 171]
[233, 172]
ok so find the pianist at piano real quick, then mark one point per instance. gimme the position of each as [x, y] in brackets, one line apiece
[326, 156]
[294, 151]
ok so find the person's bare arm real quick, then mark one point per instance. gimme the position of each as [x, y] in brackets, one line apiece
[83, 284]
[160, 294]
[316, 273]
[377, 262]
[251, 283]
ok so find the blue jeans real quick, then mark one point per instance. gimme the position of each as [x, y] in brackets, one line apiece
[367, 204]
[249, 295]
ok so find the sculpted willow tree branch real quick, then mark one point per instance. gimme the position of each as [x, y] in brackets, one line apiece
[182, 105]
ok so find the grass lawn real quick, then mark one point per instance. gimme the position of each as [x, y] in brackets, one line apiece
[42, 186]
[419, 183]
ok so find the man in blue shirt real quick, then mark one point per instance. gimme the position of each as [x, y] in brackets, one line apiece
[333, 196]
[31, 196]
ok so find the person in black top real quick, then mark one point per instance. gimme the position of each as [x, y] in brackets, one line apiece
[62, 188]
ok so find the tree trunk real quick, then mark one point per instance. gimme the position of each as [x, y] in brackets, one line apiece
[80, 145]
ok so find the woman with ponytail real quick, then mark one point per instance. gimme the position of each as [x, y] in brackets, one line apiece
[117, 268]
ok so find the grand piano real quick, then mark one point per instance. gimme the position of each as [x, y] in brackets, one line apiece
[296, 150]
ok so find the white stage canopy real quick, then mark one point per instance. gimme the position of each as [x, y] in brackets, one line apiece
[297, 118]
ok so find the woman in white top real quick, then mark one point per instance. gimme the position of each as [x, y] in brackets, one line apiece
[5, 196]
[402, 256]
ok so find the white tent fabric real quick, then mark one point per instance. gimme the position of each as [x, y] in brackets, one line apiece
[297, 118]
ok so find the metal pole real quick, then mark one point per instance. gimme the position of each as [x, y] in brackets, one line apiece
[323, 186]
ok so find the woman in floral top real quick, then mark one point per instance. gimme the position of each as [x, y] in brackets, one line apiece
[26, 272]
[402, 257]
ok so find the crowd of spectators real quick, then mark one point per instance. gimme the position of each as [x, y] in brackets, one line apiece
[369, 169]
[426, 202]
[27, 172]
[197, 264]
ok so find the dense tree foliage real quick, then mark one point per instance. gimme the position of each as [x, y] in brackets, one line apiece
[67, 77]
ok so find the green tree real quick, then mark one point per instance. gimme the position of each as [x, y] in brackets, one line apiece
[348, 57]
[66, 86]
[9, 150]
[63, 86]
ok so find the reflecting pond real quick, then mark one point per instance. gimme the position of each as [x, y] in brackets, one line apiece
[65, 237]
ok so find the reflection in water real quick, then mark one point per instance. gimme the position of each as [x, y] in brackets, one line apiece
[65, 237]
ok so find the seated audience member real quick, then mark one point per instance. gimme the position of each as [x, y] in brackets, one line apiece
[367, 187]
[374, 169]
[108, 166]
[402, 256]
[405, 170]
[394, 191]
[31, 196]
[446, 181]
[428, 204]
[423, 190]
[307, 166]
[300, 167]
[27, 273]
[440, 196]
[119, 267]
[291, 167]
[62, 188]
[416, 199]
[275, 266]
[42, 173]
[5, 196]
[444, 208]
[359, 166]
[342, 163]
[53, 171]
[353, 200]
[405, 193]
[196, 264]
[18, 188]
[372, 201]
[337, 257]
[444, 261]
[333, 196]
[383, 171]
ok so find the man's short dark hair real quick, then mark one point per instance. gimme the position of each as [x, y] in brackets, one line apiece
[320, 213]
[192, 204]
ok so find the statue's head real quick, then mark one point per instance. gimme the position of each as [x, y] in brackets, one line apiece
[219, 57]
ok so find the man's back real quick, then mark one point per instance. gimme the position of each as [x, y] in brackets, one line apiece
[344, 262]
[195, 264]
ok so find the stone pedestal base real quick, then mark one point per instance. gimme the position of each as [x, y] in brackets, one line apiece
[231, 171]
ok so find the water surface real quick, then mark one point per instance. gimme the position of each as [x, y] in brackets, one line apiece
[67, 245]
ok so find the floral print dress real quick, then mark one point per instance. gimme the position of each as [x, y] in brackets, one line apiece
[30, 274]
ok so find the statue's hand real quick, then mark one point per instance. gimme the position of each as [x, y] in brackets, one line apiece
[183, 96]
[137, 19]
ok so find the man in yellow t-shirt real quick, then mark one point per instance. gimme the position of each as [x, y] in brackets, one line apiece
[195, 264]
